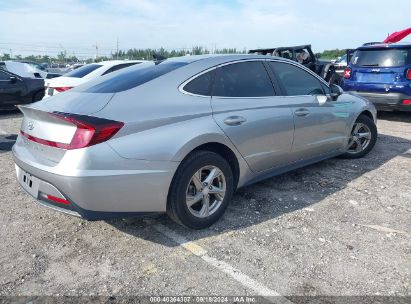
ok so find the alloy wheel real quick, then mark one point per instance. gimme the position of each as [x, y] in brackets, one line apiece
[206, 191]
[360, 138]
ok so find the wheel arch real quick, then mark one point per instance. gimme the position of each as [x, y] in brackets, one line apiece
[368, 114]
[224, 152]
[218, 146]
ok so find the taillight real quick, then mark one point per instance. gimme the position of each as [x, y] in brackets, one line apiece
[57, 199]
[347, 73]
[90, 131]
[408, 74]
[406, 102]
[62, 89]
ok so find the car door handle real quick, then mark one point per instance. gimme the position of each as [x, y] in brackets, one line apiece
[234, 120]
[302, 112]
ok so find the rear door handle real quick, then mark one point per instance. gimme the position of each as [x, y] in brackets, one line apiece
[234, 120]
[302, 112]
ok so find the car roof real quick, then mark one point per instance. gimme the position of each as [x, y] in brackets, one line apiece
[220, 57]
[115, 62]
[398, 45]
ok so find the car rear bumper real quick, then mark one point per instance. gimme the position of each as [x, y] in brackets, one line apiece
[386, 101]
[99, 194]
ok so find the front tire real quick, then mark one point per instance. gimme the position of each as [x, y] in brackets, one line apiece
[201, 190]
[362, 138]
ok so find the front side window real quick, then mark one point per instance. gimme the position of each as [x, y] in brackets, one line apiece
[243, 79]
[83, 71]
[295, 81]
[201, 85]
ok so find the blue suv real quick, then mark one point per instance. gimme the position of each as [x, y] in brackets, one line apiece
[381, 73]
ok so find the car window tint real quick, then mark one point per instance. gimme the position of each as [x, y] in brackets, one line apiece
[245, 79]
[381, 57]
[83, 71]
[119, 67]
[200, 85]
[295, 80]
[4, 76]
[129, 78]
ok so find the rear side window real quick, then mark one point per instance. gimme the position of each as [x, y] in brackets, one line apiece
[129, 78]
[381, 57]
[201, 85]
[83, 71]
[244, 79]
[295, 80]
[119, 67]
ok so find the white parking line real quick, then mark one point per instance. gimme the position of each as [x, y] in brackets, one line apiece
[261, 290]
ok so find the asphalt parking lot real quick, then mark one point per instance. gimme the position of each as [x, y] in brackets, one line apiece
[336, 228]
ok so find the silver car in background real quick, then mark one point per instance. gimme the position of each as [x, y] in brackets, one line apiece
[181, 136]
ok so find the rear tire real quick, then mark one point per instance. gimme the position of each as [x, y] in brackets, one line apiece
[362, 138]
[201, 190]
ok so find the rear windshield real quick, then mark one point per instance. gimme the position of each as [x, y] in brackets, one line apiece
[83, 71]
[128, 78]
[382, 58]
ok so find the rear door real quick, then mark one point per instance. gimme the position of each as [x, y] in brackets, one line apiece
[246, 108]
[320, 127]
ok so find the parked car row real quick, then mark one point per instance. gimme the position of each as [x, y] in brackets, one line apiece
[180, 135]
[86, 73]
[23, 83]
[380, 72]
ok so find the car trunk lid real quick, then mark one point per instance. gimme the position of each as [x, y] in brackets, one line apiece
[50, 127]
[376, 75]
[74, 102]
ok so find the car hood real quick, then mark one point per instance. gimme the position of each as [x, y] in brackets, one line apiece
[74, 102]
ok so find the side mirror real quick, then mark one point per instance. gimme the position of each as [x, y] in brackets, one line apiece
[12, 79]
[322, 99]
[335, 91]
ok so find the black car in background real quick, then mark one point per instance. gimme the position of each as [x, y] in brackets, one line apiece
[15, 90]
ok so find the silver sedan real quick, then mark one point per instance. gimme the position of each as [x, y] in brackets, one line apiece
[181, 136]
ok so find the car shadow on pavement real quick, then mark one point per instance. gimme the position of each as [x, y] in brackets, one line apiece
[6, 142]
[395, 116]
[276, 196]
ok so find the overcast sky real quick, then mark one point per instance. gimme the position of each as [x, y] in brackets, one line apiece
[48, 26]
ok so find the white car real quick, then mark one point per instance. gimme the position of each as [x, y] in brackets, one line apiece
[24, 69]
[86, 73]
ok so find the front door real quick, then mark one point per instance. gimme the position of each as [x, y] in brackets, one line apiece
[320, 123]
[10, 90]
[259, 123]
